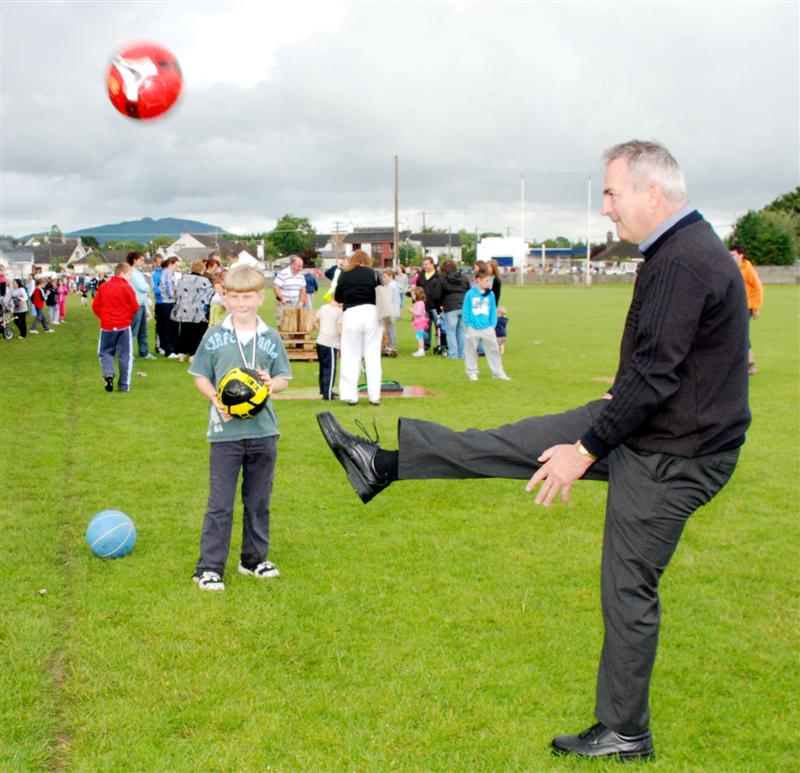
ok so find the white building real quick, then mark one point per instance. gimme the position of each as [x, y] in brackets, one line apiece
[506, 251]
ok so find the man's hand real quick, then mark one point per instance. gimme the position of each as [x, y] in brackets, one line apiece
[561, 466]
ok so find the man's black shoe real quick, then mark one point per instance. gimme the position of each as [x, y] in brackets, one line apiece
[356, 455]
[601, 741]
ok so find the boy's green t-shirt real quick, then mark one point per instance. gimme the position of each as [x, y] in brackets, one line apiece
[218, 353]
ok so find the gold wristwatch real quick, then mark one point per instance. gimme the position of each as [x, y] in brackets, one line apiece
[583, 451]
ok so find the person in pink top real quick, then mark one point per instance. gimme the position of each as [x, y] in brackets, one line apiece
[62, 291]
[420, 321]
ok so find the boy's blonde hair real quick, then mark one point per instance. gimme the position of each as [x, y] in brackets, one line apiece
[243, 279]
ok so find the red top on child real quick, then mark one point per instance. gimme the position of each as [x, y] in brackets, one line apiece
[115, 303]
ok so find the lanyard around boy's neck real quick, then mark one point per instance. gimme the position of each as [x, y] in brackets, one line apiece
[247, 364]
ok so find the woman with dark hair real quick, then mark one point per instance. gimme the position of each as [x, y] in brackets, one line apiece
[454, 286]
[213, 266]
[497, 283]
[362, 329]
[192, 296]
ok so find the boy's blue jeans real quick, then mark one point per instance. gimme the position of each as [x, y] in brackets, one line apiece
[256, 458]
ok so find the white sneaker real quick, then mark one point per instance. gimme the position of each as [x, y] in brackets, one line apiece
[173, 356]
[209, 581]
[472, 376]
[50, 331]
[265, 570]
[502, 377]
[418, 353]
[34, 332]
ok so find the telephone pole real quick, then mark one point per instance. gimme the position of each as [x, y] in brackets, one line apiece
[396, 246]
[587, 277]
[335, 234]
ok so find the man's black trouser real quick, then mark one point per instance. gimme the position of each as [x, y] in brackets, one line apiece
[650, 498]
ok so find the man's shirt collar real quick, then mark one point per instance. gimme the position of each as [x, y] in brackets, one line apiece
[674, 218]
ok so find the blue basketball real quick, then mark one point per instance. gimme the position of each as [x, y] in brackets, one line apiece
[111, 534]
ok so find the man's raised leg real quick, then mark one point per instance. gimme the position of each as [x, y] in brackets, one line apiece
[429, 450]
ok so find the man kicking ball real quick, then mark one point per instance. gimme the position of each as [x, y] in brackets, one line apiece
[666, 437]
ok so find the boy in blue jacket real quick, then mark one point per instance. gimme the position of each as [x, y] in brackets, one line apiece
[480, 317]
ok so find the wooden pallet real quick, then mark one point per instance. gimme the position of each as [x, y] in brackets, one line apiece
[299, 346]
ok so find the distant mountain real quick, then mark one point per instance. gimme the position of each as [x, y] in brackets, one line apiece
[145, 229]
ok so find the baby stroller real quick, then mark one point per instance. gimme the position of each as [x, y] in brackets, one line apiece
[5, 322]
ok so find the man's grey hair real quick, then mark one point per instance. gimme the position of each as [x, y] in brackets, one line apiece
[651, 162]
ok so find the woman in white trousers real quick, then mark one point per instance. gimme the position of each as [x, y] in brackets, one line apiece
[362, 330]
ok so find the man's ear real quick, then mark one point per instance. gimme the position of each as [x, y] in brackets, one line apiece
[655, 195]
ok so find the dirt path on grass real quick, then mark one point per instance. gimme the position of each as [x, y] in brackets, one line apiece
[59, 665]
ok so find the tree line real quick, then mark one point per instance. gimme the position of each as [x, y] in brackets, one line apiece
[771, 236]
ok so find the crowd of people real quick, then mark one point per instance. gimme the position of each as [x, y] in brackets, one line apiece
[454, 312]
[43, 298]
[183, 307]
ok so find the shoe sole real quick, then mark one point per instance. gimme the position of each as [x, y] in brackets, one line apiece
[268, 576]
[557, 751]
[196, 581]
[326, 423]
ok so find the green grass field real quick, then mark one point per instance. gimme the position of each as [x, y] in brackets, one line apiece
[446, 626]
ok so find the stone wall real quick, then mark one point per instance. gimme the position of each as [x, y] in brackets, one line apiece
[779, 275]
[770, 275]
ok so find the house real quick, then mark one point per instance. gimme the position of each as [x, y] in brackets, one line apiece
[99, 262]
[329, 247]
[247, 256]
[60, 251]
[190, 247]
[438, 245]
[618, 251]
[17, 262]
[378, 243]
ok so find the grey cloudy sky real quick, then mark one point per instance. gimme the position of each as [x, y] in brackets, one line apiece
[300, 107]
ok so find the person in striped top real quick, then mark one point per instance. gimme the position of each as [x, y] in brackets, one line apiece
[289, 287]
